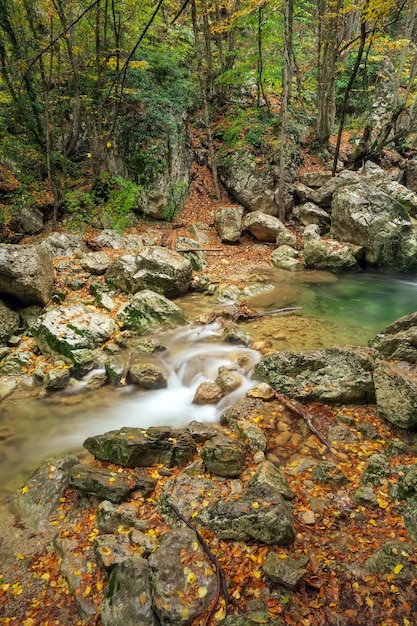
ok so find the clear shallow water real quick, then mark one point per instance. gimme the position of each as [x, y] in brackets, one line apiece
[335, 310]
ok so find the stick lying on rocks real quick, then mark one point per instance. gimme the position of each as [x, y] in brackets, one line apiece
[293, 408]
[242, 314]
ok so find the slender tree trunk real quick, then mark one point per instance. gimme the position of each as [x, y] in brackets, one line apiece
[343, 111]
[260, 77]
[204, 94]
[286, 96]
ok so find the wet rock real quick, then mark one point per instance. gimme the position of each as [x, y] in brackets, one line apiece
[84, 361]
[330, 375]
[115, 367]
[228, 223]
[228, 380]
[224, 456]
[283, 571]
[327, 473]
[155, 268]
[107, 485]
[148, 375]
[57, 378]
[207, 393]
[128, 597]
[234, 334]
[148, 311]
[396, 394]
[172, 580]
[263, 391]
[39, 497]
[136, 447]
[200, 431]
[7, 387]
[26, 274]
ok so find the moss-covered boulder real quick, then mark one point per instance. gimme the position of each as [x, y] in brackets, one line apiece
[148, 311]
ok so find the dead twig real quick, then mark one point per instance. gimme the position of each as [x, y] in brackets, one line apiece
[221, 578]
[126, 368]
[242, 314]
[296, 410]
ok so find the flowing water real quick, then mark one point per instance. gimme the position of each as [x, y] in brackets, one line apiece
[341, 310]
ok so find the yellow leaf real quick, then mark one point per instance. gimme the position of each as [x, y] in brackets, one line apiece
[108, 144]
[382, 503]
[143, 598]
[185, 614]
[87, 591]
[255, 505]
[257, 573]
[220, 614]
[369, 602]
[24, 489]
[398, 568]
[20, 557]
[236, 594]
[355, 585]
[202, 592]
[191, 578]
[373, 522]
[99, 586]
[46, 576]
[406, 622]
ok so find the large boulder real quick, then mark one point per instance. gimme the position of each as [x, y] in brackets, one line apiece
[398, 340]
[228, 223]
[128, 596]
[411, 174]
[252, 186]
[136, 447]
[39, 497]
[328, 254]
[267, 227]
[147, 311]
[67, 330]
[332, 375]
[162, 270]
[9, 322]
[372, 219]
[396, 393]
[26, 273]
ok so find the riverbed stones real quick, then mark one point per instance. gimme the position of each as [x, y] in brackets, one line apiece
[38, 498]
[284, 571]
[268, 474]
[389, 556]
[156, 268]
[224, 456]
[26, 274]
[331, 375]
[328, 254]
[207, 392]
[148, 375]
[265, 227]
[109, 550]
[172, 579]
[128, 596]
[287, 258]
[147, 311]
[107, 485]
[328, 473]
[187, 493]
[137, 447]
[228, 380]
[396, 394]
[111, 517]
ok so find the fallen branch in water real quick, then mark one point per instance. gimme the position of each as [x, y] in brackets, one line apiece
[294, 408]
[242, 314]
[221, 578]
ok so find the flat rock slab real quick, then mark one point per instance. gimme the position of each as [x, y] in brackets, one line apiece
[108, 485]
[137, 447]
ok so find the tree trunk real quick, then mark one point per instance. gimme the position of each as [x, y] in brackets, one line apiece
[286, 96]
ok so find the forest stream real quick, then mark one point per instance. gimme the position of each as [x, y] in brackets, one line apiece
[349, 309]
